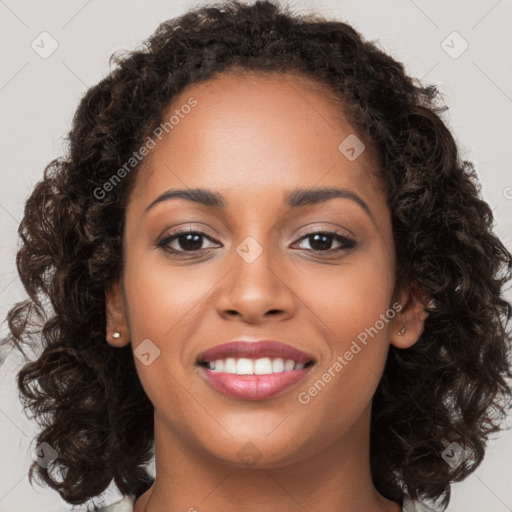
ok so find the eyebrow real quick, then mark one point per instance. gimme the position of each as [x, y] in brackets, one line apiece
[294, 199]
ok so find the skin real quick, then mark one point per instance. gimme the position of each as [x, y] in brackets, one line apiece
[252, 139]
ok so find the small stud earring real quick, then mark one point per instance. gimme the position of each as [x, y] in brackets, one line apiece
[401, 331]
[116, 335]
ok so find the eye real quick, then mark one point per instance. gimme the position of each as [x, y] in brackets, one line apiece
[321, 241]
[184, 241]
[189, 241]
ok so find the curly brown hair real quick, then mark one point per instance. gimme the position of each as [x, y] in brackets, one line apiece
[451, 386]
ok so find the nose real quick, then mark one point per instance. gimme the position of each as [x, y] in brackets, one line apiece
[256, 291]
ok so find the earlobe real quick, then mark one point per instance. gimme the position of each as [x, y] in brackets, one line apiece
[117, 332]
[407, 326]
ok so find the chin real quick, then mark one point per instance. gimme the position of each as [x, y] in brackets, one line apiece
[260, 453]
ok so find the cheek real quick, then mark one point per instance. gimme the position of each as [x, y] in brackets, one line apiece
[162, 296]
[348, 298]
[353, 305]
[163, 304]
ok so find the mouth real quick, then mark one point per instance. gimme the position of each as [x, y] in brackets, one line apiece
[254, 370]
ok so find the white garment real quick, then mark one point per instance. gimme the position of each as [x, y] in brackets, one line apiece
[126, 505]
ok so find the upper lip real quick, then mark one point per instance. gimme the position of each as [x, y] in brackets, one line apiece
[253, 350]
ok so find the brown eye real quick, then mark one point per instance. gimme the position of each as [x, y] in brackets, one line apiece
[321, 241]
[184, 241]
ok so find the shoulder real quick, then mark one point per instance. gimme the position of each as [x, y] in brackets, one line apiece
[123, 505]
[415, 506]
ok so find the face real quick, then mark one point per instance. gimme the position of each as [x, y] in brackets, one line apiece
[274, 257]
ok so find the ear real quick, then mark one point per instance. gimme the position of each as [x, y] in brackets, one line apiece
[409, 321]
[116, 316]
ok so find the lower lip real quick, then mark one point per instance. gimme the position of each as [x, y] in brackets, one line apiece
[253, 387]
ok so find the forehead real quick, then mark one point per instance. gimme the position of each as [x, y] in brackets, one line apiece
[255, 133]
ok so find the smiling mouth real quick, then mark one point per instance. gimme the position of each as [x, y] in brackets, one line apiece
[254, 379]
[254, 370]
[250, 366]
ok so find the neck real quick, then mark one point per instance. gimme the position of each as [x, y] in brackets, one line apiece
[334, 480]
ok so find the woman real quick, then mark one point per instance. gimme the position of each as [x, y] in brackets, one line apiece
[267, 266]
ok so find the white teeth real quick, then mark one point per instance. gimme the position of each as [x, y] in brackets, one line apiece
[230, 365]
[244, 366]
[288, 365]
[262, 366]
[277, 365]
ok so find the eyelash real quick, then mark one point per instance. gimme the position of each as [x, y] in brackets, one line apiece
[348, 243]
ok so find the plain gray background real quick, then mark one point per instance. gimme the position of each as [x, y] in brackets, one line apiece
[38, 97]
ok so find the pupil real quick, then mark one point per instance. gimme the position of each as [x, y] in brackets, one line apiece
[323, 244]
[190, 243]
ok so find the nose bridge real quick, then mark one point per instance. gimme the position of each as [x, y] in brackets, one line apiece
[255, 286]
[253, 267]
